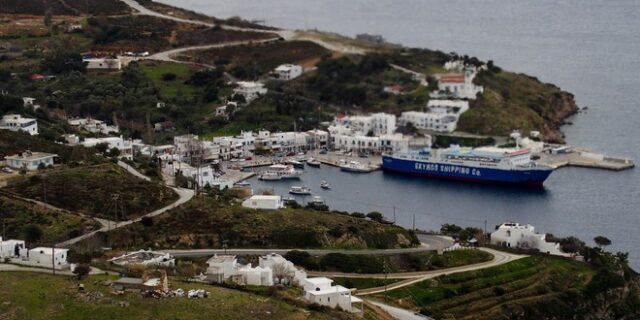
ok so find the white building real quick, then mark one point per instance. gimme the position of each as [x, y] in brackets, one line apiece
[458, 85]
[12, 248]
[317, 138]
[102, 63]
[93, 126]
[205, 175]
[439, 122]
[263, 202]
[376, 124]
[515, 235]
[250, 90]
[281, 266]
[221, 268]
[47, 257]
[30, 103]
[257, 276]
[454, 107]
[288, 71]
[320, 291]
[125, 146]
[16, 122]
[455, 65]
[30, 160]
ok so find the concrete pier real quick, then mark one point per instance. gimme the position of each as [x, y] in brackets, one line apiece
[580, 157]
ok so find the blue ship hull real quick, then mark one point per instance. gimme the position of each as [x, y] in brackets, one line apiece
[533, 177]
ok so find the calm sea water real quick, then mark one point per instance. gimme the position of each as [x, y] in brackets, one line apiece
[589, 48]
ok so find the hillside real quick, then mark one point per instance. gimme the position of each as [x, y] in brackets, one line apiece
[20, 218]
[90, 190]
[206, 223]
[538, 287]
[15, 142]
[59, 298]
[64, 7]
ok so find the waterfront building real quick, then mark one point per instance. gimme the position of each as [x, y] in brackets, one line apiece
[30, 160]
[515, 235]
[288, 71]
[15, 122]
[375, 124]
[263, 202]
[438, 122]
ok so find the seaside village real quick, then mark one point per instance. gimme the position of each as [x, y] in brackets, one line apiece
[204, 160]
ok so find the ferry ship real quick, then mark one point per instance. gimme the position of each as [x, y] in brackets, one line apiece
[484, 165]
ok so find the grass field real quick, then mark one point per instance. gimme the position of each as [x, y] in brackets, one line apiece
[38, 296]
[491, 293]
[168, 89]
[89, 190]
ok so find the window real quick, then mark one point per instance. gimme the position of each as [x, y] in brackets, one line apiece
[508, 233]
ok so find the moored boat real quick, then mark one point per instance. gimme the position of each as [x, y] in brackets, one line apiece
[484, 165]
[296, 164]
[354, 166]
[303, 191]
[280, 172]
[325, 185]
[313, 162]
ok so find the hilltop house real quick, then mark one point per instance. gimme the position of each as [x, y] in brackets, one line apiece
[288, 71]
[250, 90]
[30, 160]
[515, 235]
[320, 291]
[15, 122]
[457, 85]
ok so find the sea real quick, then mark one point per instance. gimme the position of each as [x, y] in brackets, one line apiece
[589, 48]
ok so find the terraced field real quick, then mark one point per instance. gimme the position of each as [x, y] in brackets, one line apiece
[499, 292]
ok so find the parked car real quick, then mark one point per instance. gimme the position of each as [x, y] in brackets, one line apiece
[7, 170]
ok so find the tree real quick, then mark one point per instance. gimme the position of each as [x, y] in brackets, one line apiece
[375, 216]
[62, 60]
[168, 76]
[32, 233]
[102, 147]
[82, 270]
[282, 273]
[602, 241]
[147, 221]
[48, 18]
[571, 245]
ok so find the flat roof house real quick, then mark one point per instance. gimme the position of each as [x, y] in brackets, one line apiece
[320, 291]
[30, 160]
[263, 202]
[46, 257]
[288, 71]
[15, 122]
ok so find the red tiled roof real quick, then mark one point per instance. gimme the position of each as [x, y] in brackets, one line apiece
[452, 78]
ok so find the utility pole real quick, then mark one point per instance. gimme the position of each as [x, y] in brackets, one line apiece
[53, 259]
[413, 226]
[394, 214]
[385, 267]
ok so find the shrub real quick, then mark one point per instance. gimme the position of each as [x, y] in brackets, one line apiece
[168, 77]
[499, 291]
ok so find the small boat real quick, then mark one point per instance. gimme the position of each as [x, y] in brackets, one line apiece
[242, 184]
[288, 200]
[270, 176]
[280, 172]
[325, 185]
[355, 166]
[317, 200]
[313, 162]
[303, 191]
[295, 164]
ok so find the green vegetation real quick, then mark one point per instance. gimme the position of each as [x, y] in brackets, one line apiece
[205, 222]
[538, 287]
[516, 101]
[15, 142]
[90, 190]
[39, 297]
[23, 220]
[362, 283]
[404, 262]
[176, 86]
[67, 7]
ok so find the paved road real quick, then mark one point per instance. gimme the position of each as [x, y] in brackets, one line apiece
[499, 258]
[168, 55]
[133, 171]
[399, 313]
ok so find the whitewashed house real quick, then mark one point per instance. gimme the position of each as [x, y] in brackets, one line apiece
[250, 90]
[125, 146]
[515, 235]
[30, 160]
[254, 276]
[454, 107]
[47, 257]
[438, 122]
[205, 175]
[320, 291]
[102, 63]
[221, 268]
[375, 123]
[458, 85]
[288, 71]
[263, 202]
[93, 125]
[14, 122]
[280, 266]
[30, 103]
[317, 138]
[12, 248]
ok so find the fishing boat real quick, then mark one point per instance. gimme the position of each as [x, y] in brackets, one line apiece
[280, 172]
[325, 185]
[302, 191]
[313, 162]
[354, 166]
